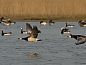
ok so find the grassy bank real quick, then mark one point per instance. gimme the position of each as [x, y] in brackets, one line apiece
[43, 9]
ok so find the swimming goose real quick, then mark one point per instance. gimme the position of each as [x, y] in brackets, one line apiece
[50, 22]
[6, 34]
[65, 30]
[82, 23]
[7, 22]
[28, 27]
[32, 35]
[23, 32]
[69, 25]
[81, 39]
[43, 23]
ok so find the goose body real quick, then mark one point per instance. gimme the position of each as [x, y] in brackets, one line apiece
[51, 22]
[82, 23]
[70, 26]
[7, 22]
[43, 23]
[23, 32]
[81, 39]
[30, 39]
[6, 34]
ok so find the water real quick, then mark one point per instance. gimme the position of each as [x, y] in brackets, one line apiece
[54, 49]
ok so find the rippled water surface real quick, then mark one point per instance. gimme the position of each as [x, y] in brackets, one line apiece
[54, 49]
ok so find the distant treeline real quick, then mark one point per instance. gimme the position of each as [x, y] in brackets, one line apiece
[43, 9]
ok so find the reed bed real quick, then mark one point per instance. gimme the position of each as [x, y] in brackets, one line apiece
[43, 9]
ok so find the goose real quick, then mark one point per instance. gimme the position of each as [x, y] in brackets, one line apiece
[28, 27]
[7, 22]
[82, 23]
[23, 32]
[51, 22]
[65, 30]
[68, 25]
[43, 23]
[32, 35]
[6, 34]
[81, 39]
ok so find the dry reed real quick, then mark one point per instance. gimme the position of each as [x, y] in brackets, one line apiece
[43, 9]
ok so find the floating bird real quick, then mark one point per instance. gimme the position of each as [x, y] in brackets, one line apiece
[82, 23]
[81, 39]
[23, 32]
[6, 33]
[50, 22]
[7, 22]
[33, 34]
[69, 25]
[43, 23]
[28, 27]
[65, 30]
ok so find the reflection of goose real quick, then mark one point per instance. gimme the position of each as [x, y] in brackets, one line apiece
[69, 25]
[6, 34]
[33, 34]
[80, 39]
[34, 55]
[6, 21]
[65, 30]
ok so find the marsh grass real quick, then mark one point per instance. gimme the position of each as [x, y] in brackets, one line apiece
[43, 9]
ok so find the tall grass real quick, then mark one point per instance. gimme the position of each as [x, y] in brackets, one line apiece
[43, 9]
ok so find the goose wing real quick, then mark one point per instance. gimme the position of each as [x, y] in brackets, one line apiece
[28, 27]
[34, 33]
[35, 30]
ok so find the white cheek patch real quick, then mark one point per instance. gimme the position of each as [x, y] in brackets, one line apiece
[69, 36]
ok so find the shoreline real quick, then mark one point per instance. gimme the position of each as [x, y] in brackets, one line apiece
[64, 18]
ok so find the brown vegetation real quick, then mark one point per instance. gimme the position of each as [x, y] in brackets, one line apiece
[43, 9]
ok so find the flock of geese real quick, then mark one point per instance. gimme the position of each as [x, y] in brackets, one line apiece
[32, 31]
[81, 39]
